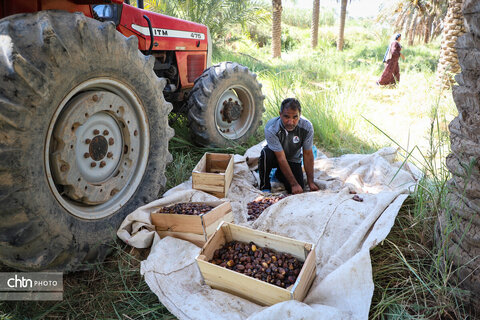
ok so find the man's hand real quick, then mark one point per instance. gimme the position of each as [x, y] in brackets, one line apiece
[313, 186]
[296, 189]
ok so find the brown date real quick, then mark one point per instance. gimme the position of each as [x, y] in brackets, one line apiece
[264, 264]
[256, 207]
[186, 208]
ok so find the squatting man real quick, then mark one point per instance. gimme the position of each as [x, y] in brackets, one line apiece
[286, 136]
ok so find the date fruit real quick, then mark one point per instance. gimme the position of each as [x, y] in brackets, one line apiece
[186, 208]
[280, 269]
[256, 207]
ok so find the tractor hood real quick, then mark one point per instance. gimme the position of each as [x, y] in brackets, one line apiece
[169, 33]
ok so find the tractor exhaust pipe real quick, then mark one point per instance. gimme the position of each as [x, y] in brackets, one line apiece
[140, 4]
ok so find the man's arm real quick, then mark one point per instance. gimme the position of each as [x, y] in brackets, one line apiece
[287, 172]
[308, 165]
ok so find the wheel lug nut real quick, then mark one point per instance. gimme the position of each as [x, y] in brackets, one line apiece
[110, 141]
[95, 98]
[93, 164]
[63, 167]
[96, 131]
[105, 132]
[109, 155]
[86, 155]
[102, 164]
[88, 141]
[230, 99]
[135, 133]
[225, 102]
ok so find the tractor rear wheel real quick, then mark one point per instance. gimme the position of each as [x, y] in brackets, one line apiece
[226, 105]
[83, 138]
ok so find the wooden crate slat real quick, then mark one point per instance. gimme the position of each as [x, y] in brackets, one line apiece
[228, 175]
[307, 274]
[177, 222]
[246, 287]
[210, 229]
[204, 185]
[197, 239]
[217, 213]
[213, 243]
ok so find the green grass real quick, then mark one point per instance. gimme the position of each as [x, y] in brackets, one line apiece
[350, 115]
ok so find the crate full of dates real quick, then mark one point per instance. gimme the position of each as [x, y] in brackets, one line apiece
[213, 174]
[258, 266]
[191, 221]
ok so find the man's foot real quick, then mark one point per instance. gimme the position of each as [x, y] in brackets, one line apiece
[266, 190]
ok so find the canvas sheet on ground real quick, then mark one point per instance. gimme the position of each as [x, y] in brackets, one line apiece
[342, 229]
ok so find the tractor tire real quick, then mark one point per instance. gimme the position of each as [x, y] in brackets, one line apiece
[458, 228]
[83, 138]
[225, 105]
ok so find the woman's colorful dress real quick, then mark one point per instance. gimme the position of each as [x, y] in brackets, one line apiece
[391, 74]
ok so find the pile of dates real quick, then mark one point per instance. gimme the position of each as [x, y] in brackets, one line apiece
[192, 209]
[256, 207]
[280, 269]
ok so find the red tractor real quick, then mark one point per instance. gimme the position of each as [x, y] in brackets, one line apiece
[86, 87]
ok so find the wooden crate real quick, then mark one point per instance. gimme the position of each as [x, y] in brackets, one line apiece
[196, 229]
[213, 174]
[250, 288]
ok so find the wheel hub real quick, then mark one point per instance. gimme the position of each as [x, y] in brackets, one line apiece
[232, 110]
[96, 147]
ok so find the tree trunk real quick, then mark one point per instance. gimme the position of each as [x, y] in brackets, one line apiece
[406, 30]
[276, 28]
[459, 225]
[411, 31]
[341, 29]
[428, 29]
[315, 18]
[453, 28]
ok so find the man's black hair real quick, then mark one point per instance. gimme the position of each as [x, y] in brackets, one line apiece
[292, 104]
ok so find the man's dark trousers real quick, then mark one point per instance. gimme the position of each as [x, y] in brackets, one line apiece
[268, 161]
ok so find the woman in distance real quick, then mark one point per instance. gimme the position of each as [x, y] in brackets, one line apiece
[391, 73]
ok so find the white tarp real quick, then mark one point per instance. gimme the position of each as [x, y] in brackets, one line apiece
[343, 230]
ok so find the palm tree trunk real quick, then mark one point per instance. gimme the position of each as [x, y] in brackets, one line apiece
[406, 27]
[459, 224]
[341, 30]
[411, 30]
[276, 28]
[315, 18]
[428, 29]
[453, 28]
